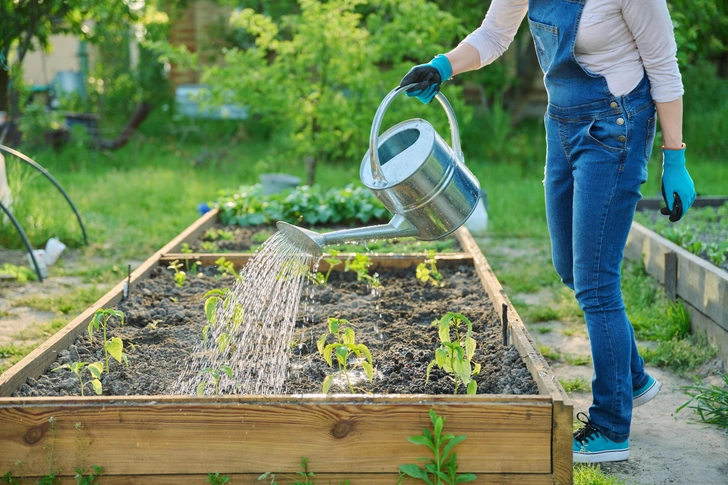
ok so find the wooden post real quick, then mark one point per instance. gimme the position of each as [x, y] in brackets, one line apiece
[671, 275]
[504, 323]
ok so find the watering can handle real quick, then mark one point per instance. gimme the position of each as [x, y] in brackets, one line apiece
[377, 173]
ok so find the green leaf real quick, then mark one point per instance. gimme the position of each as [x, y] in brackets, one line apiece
[476, 371]
[327, 354]
[227, 370]
[210, 307]
[465, 477]
[429, 368]
[96, 384]
[444, 330]
[334, 325]
[451, 444]
[328, 380]
[321, 342]
[469, 347]
[115, 347]
[342, 354]
[472, 387]
[441, 356]
[201, 388]
[415, 472]
[365, 350]
[439, 423]
[223, 341]
[96, 369]
[368, 370]
[462, 369]
[205, 331]
[422, 440]
[349, 336]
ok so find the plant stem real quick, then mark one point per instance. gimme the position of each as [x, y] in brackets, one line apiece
[106, 351]
[80, 381]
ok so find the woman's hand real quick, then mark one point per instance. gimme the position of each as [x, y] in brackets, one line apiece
[427, 78]
[678, 188]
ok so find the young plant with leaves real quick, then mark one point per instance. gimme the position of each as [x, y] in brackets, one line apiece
[226, 267]
[442, 468]
[95, 369]
[360, 265]
[212, 299]
[179, 275]
[88, 479]
[216, 375]
[344, 348]
[454, 355]
[305, 476]
[427, 270]
[321, 278]
[113, 346]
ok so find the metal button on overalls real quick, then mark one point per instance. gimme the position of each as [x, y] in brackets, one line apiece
[622, 138]
[620, 121]
[613, 104]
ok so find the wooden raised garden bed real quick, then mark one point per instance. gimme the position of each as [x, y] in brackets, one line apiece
[700, 285]
[169, 439]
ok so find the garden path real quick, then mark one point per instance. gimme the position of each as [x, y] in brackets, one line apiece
[666, 447]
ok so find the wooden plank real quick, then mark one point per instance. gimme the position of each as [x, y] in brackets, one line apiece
[700, 283]
[379, 261]
[562, 437]
[193, 232]
[716, 334]
[656, 203]
[670, 277]
[199, 437]
[35, 363]
[322, 478]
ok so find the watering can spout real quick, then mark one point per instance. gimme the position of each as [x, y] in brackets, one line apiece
[312, 242]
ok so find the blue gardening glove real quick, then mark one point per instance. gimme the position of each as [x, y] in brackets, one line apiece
[428, 78]
[678, 188]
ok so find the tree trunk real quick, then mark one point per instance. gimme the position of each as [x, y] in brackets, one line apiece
[4, 79]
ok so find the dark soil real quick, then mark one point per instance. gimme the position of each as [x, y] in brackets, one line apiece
[223, 238]
[164, 322]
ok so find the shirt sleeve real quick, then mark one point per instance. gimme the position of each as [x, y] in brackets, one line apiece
[498, 29]
[650, 24]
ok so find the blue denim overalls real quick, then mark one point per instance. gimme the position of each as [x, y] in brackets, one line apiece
[598, 146]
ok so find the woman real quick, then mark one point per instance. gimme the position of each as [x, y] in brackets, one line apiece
[609, 68]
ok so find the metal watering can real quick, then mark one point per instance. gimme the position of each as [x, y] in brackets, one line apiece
[416, 175]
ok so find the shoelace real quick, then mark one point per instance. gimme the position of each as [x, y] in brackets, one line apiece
[588, 432]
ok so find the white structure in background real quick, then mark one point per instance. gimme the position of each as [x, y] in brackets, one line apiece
[5, 196]
[477, 223]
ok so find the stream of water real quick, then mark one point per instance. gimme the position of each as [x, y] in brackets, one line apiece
[252, 327]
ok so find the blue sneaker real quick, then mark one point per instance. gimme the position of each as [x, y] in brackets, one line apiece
[645, 393]
[591, 446]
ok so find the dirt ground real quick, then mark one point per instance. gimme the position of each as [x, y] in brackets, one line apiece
[666, 447]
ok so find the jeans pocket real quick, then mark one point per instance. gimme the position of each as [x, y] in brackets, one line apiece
[650, 139]
[545, 40]
[609, 132]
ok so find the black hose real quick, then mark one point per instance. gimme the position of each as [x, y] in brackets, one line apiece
[53, 180]
[25, 240]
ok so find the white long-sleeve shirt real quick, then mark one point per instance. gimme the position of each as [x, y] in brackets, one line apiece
[616, 39]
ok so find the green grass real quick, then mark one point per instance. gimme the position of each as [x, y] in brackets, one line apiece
[681, 356]
[577, 384]
[709, 402]
[593, 475]
[578, 360]
[10, 354]
[548, 352]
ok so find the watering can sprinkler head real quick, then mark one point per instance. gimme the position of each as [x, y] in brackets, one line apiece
[416, 175]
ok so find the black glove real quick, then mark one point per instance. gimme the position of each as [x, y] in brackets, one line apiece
[428, 78]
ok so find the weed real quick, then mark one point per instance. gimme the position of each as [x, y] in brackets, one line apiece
[217, 479]
[537, 313]
[344, 348]
[427, 271]
[186, 249]
[680, 356]
[305, 474]
[208, 246]
[21, 274]
[709, 402]
[8, 479]
[95, 369]
[543, 329]
[577, 384]
[216, 374]
[179, 275]
[115, 346]
[586, 474]
[90, 479]
[584, 359]
[548, 352]
[442, 468]
[332, 260]
[360, 265]
[454, 355]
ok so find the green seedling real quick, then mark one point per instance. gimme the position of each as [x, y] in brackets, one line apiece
[113, 346]
[179, 275]
[344, 348]
[454, 355]
[217, 479]
[216, 374]
[427, 271]
[442, 468]
[90, 479]
[186, 249]
[208, 246]
[212, 298]
[8, 479]
[321, 278]
[360, 265]
[95, 369]
[226, 267]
